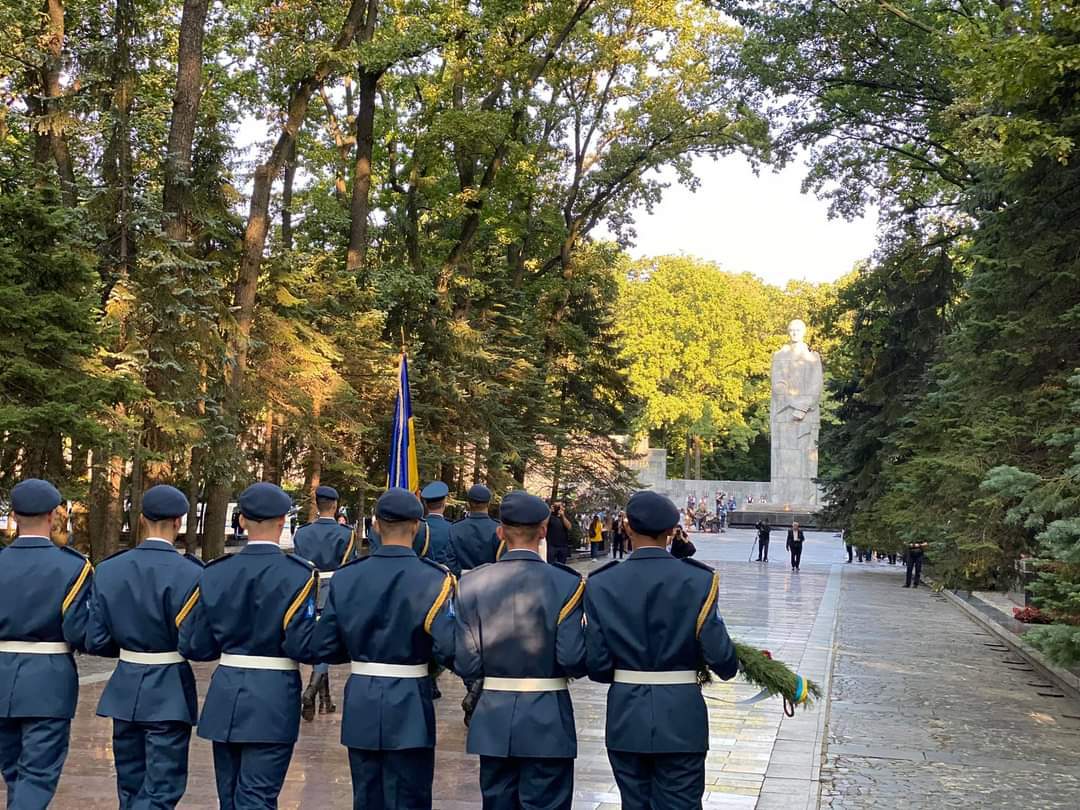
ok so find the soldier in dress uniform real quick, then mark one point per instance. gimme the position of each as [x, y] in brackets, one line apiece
[474, 536]
[519, 628]
[44, 593]
[136, 598]
[256, 610]
[442, 550]
[327, 545]
[651, 622]
[390, 614]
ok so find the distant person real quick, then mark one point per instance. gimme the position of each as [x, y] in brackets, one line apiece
[763, 530]
[681, 545]
[914, 560]
[795, 540]
[618, 537]
[596, 536]
[558, 535]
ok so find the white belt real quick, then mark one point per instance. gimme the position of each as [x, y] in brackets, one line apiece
[151, 659]
[35, 647]
[389, 670]
[525, 684]
[670, 678]
[325, 575]
[258, 662]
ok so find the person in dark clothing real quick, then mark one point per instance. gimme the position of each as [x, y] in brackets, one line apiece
[618, 537]
[681, 546]
[795, 539]
[763, 530]
[558, 535]
[914, 559]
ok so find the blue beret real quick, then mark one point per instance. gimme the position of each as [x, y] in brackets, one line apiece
[164, 502]
[264, 501]
[650, 513]
[326, 493]
[398, 504]
[478, 493]
[434, 491]
[522, 509]
[34, 497]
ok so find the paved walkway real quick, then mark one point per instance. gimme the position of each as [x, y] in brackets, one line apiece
[930, 711]
[923, 714]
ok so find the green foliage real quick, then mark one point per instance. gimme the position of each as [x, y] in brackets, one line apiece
[53, 388]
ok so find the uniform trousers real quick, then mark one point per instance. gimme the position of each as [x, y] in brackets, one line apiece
[32, 754]
[250, 775]
[796, 554]
[392, 780]
[659, 781]
[526, 783]
[151, 763]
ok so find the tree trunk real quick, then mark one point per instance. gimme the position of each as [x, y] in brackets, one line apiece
[176, 192]
[269, 471]
[556, 471]
[689, 451]
[217, 507]
[104, 523]
[191, 535]
[365, 143]
[117, 159]
[138, 474]
[50, 74]
[286, 199]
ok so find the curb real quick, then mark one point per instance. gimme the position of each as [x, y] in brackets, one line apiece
[1069, 681]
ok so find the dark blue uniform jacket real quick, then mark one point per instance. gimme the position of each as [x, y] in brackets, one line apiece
[521, 618]
[44, 596]
[259, 601]
[432, 542]
[136, 598]
[326, 544]
[474, 540]
[652, 612]
[388, 608]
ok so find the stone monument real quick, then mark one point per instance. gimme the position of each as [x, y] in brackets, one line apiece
[795, 419]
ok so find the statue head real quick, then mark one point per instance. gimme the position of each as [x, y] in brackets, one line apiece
[797, 331]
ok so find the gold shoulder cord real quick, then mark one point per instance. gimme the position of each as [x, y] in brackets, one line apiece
[573, 602]
[710, 602]
[440, 600]
[74, 592]
[305, 592]
[189, 605]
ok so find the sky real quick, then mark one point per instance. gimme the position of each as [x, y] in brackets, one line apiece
[761, 224]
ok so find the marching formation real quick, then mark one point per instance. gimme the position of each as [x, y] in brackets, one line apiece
[516, 629]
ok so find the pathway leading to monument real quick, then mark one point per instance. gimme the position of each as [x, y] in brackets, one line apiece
[923, 714]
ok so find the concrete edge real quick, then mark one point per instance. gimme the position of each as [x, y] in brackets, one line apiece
[822, 741]
[1065, 679]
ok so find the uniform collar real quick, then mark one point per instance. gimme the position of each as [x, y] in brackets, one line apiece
[479, 515]
[393, 551]
[440, 517]
[261, 547]
[649, 552]
[31, 541]
[321, 519]
[521, 554]
[157, 544]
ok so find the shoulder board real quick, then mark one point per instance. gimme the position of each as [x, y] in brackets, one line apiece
[698, 564]
[442, 568]
[193, 559]
[116, 554]
[354, 561]
[300, 561]
[70, 550]
[568, 569]
[216, 560]
[474, 570]
[605, 567]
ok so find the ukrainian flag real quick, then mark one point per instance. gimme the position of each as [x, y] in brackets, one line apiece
[404, 471]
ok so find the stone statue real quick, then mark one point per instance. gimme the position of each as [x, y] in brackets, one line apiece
[795, 419]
